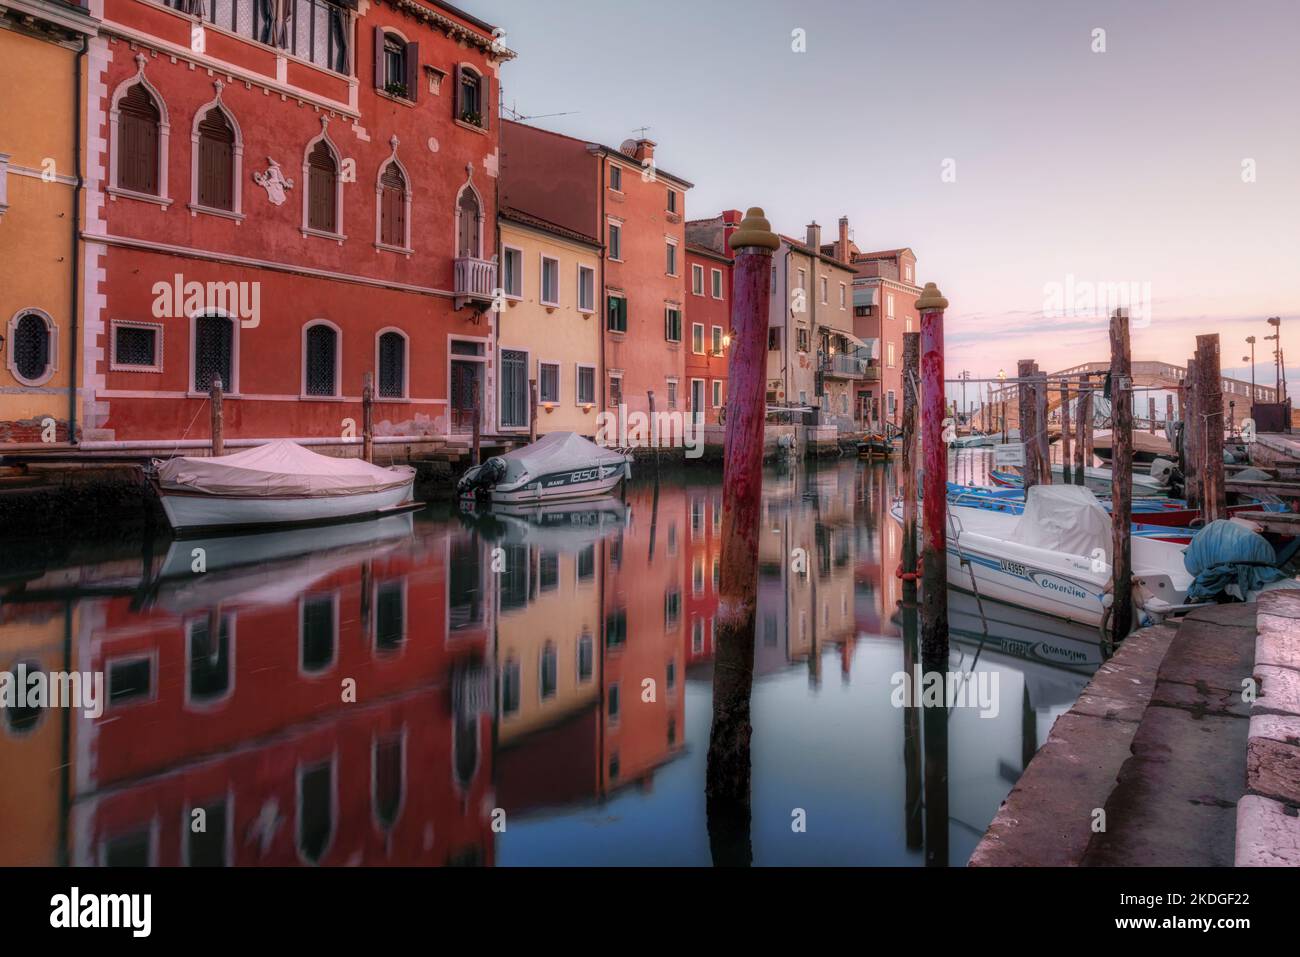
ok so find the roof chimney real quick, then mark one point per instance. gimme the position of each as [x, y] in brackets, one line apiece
[815, 237]
[730, 223]
[842, 253]
[645, 150]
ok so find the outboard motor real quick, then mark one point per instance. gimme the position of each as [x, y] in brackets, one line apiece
[480, 478]
[1162, 470]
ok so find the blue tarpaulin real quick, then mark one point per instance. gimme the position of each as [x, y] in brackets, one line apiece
[1228, 557]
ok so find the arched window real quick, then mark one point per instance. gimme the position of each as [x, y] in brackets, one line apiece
[471, 97]
[214, 351]
[468, 226]
[31, 347]
[216, 156]
[392, 207]
[321, 347]
[392, 365]
[322, 189]
[137, 141]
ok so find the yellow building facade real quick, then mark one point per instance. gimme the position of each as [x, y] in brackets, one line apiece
[549, 327]
[41, 62]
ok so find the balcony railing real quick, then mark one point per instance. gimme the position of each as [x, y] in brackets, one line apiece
[475, 278]
[846, 367]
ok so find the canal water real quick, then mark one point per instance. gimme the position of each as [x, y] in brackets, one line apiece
[507, 689]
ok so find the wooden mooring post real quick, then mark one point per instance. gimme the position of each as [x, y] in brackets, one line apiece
[650, 397]
[532, 411]
[911, 379]
[1191, 437]
[218, 418]
[1151, 413]
[1083, 446]
[476, 402]
[1121, 491]
[1027, 404]
[934, 498]
[1067, 465]
[1209, 391]
[727, 778]
[368, 418]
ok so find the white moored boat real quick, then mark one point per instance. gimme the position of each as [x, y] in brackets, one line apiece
[1055, 557]
[280, 483]
[560, 467]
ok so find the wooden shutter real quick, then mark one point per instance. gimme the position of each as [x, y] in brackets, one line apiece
[379, 58]
[137, 146]
[455, 100]
[392, 228]
[216, 161]
[413, 71]
[322, 194]
[485, 98]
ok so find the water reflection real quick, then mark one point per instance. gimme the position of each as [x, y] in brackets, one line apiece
[513, 688]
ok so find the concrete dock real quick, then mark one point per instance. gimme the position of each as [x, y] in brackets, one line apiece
[1184, 750]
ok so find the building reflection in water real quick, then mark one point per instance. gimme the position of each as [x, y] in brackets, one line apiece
[518, 686]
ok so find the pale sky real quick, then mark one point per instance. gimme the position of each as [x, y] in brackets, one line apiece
[1116, 167]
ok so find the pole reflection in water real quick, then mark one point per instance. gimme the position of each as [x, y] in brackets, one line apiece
[505, 688]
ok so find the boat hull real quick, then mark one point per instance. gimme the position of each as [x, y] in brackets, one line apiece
[567, 486]
[194, 511]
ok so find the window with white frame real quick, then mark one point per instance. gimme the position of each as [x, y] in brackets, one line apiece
[672, 200]
[717, 340]
[391, 362]
[670, 263]
[586, 289]
[717, 393]
[586, 385]
[717, 283]
[548, 382]
[697, 279]
[550, 281]
[615, 241]
[697, 338]
[512, 272]
[672, 324]
[320, 359]
[137, 347]
[672, 393]
[825, 290]
[889, 305]
[616, 177]
[32, 349]
[889, 350]
[843, 296]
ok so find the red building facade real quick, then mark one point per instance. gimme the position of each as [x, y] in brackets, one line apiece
[638, 211]
[708, 330]
[289, 205]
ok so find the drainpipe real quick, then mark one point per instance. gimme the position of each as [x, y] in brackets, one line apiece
[76, 242]
[601, 230]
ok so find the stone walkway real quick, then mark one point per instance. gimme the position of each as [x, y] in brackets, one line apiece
[1165, 759]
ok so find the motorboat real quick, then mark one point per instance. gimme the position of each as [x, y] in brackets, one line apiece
[1012, 501]
[1146, 446]
[277, 484]
[559, 467]
[1055, 558]
[975, 440]
[1099, 480]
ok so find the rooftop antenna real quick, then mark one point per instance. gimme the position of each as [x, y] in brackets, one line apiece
[641, 132]
[520, 117]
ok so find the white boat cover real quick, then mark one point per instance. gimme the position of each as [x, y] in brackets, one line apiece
[557, 452]
[1063, 518]
[279, 468]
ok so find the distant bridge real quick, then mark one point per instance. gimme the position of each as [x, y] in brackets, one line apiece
[1146, 376]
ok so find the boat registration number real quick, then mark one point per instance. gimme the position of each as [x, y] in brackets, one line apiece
[1013, 568]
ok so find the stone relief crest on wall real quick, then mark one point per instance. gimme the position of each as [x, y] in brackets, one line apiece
[273, 181]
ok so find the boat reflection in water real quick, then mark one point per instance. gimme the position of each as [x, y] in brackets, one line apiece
[523, 686]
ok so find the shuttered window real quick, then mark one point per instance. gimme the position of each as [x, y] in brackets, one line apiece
[322, 189]
[514, 388]
[322, 351]
[392, 365]
[31, 347]
[392, 207]
[471, 97]
[214, 338]
[216, 161]
[137, 141]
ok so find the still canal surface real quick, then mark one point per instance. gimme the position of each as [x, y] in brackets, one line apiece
[505, 690]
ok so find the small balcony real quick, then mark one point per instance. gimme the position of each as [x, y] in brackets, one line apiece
[841, 366]
[476, 280]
